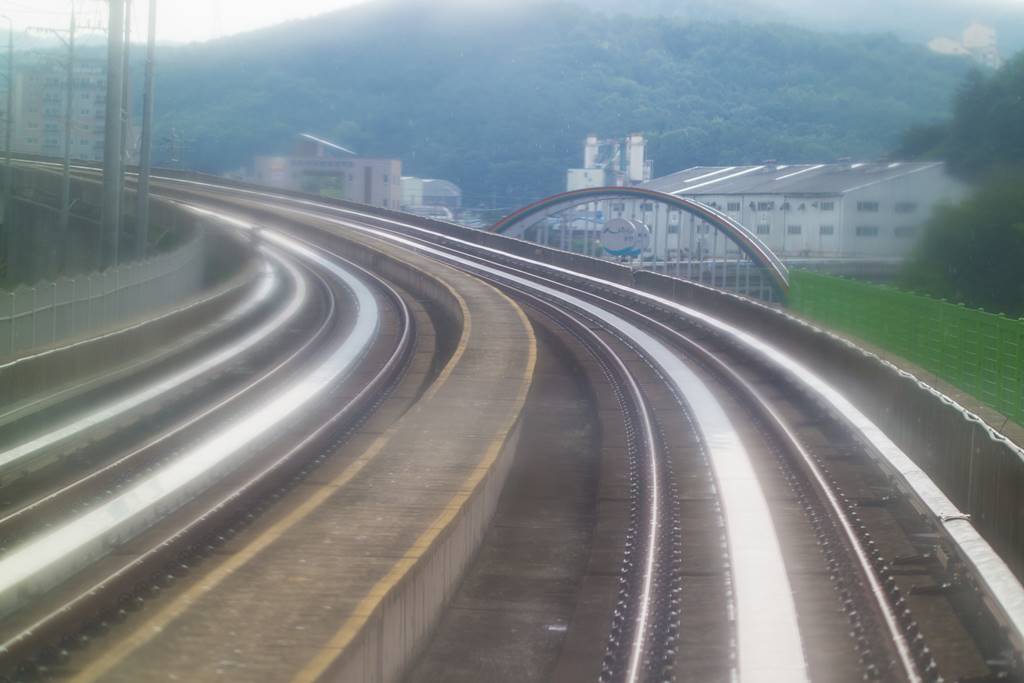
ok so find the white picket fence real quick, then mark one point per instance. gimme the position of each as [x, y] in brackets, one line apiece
[73, 308]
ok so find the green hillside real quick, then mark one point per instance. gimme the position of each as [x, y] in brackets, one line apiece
[499, 102]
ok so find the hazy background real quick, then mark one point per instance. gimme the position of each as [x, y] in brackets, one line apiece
[497, 95]
[918, 20]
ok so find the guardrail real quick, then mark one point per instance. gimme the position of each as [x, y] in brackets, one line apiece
[978, 352]
[69, 308]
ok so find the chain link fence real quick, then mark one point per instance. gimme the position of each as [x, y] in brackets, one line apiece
[980, 353]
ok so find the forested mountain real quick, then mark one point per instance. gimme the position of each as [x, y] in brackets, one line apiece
[912, 20]
[986, 130]
[972, 253]
[499, 100]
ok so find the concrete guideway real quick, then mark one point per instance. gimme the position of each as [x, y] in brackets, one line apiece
[838, 559]
[769, 638]
[425, 487]
[11, 459]
[190, 474]
[41, 562]
[842, 408]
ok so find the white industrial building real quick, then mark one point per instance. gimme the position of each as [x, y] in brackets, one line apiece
[430, 192]
[841, 210]
[615, 162]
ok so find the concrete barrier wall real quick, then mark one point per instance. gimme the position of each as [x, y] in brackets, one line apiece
[980, 470]
[399, 628]
[49, 313]
[64, 341]
[105, 355]
[35, 243]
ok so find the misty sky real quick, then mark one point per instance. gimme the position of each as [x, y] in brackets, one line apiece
[178, 20]
[188, 20]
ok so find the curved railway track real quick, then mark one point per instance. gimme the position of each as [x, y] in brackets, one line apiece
[764, 508]
[861, 531]
[356, 337]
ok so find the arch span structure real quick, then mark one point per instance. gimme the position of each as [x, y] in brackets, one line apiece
[517, 223]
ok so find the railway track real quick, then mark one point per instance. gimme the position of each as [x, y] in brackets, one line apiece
[764, 511]
[914, 609]
[336, 342]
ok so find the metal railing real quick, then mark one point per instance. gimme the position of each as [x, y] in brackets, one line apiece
[33, 318]
[980, 353]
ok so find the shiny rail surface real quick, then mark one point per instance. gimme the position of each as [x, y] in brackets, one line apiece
[16, 456]
[1006, 592]
[1003, 591]
[768, 644]
[45, 561]
[46, 558]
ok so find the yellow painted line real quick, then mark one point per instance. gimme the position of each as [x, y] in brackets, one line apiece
[160, 620]
[348, 631]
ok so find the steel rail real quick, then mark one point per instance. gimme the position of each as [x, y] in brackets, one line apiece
[1005, 593]
[779, 426]
[47, 559]
[769, 642]
[36, 506]
[16, 456]
[1002, 590]
[92, 601]
[650, 491]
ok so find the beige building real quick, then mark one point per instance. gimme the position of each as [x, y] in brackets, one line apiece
[323, 168]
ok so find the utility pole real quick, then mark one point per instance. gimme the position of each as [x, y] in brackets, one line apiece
[112, 153]
[59, 246]
[65, 188]
[9, 126]
[126, 120]
[59, 249]
[146, 143]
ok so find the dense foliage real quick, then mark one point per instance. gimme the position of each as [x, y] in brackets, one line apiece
[987, 127]
[916, 21]
[500, 102]
[973, 253]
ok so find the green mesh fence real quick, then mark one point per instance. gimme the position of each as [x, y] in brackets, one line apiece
[978, 352]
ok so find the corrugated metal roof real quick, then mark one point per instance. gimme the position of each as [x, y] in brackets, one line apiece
[327, 143]
[795, 179]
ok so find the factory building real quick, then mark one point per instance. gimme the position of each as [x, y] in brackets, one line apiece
[611, 163]
[321, 167]
[839, 210]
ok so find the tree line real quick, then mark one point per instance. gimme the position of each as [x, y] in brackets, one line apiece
[974, 253]
[499, 100]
